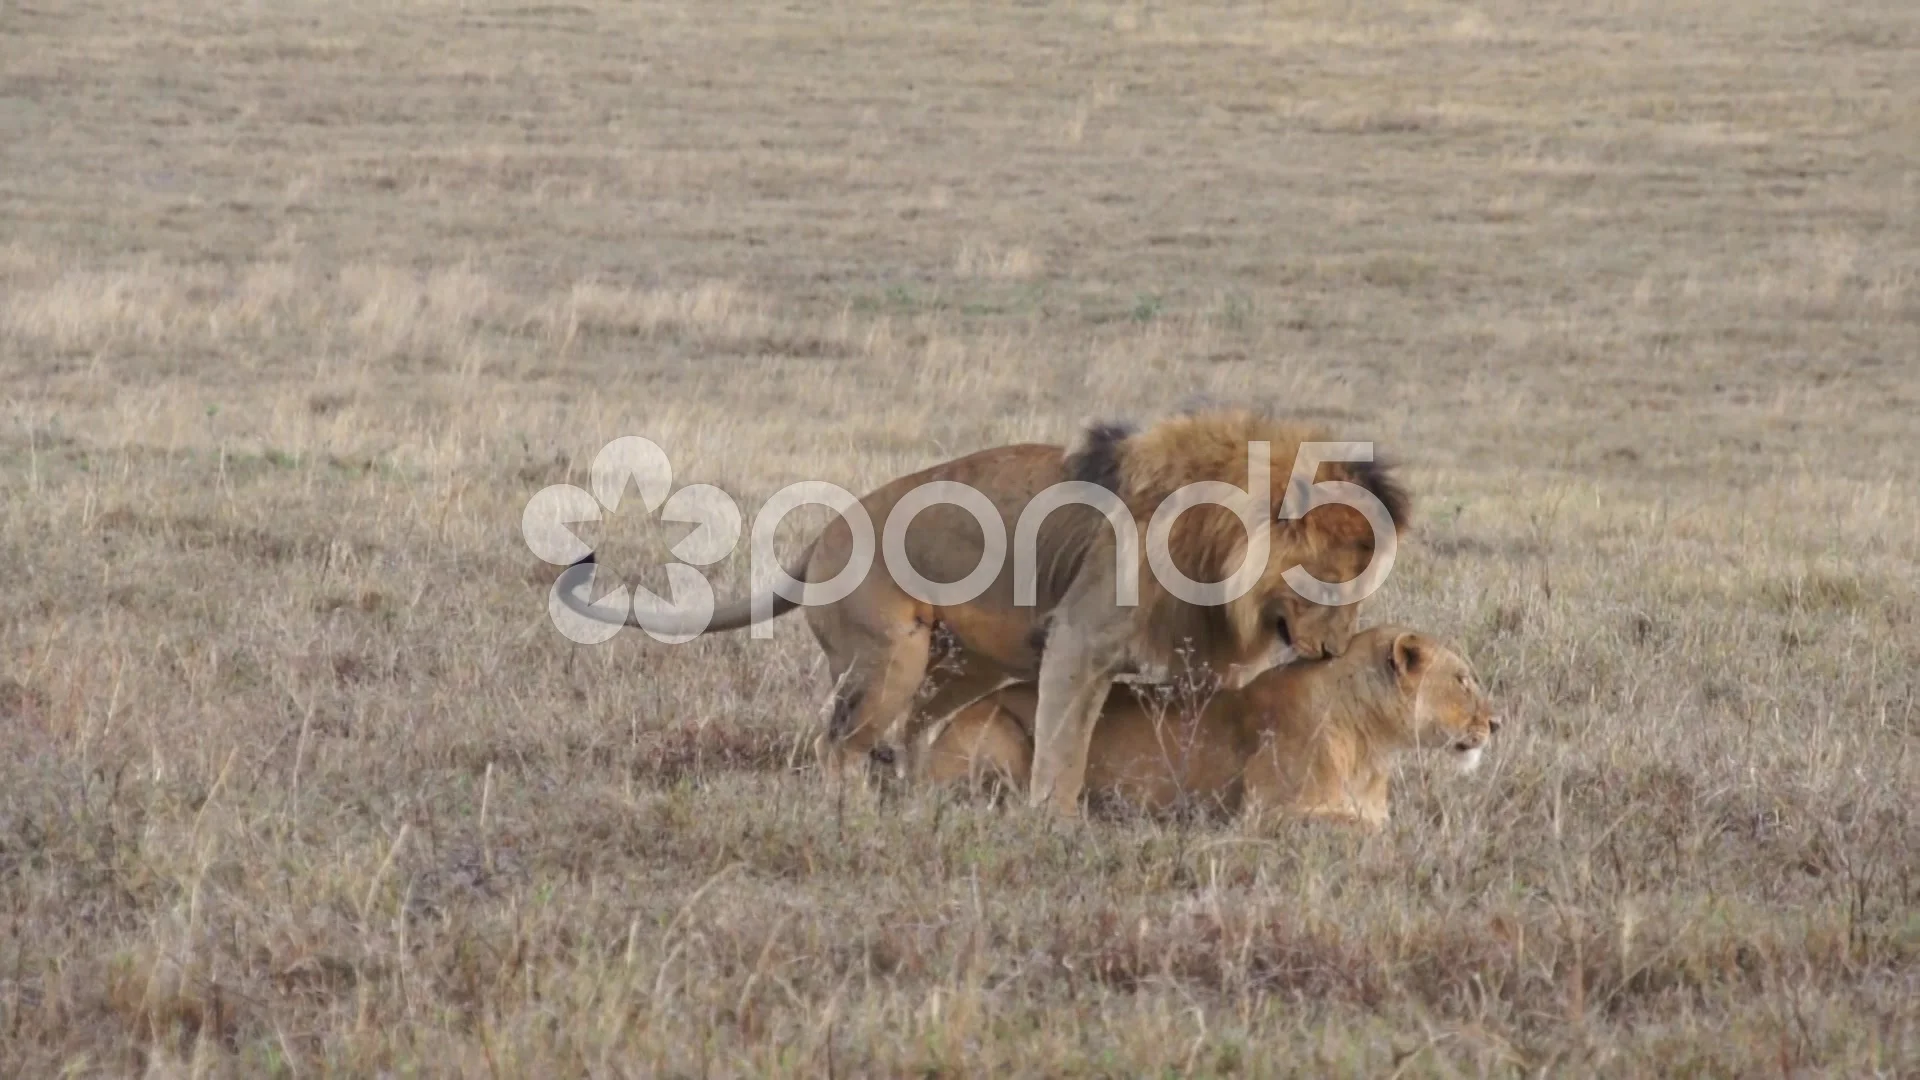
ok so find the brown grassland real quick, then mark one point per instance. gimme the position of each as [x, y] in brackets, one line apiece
[301, 301]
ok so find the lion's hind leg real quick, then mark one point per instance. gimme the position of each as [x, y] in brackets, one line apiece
[871, 697]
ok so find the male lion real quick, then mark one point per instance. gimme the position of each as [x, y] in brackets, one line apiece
[877, 638]
[1311, 738]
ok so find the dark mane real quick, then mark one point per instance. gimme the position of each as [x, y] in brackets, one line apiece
[1378, 477]
[1095, 456]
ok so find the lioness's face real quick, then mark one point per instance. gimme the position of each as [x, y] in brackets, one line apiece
[1450, 709]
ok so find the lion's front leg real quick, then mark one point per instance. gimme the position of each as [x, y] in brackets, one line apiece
[1087, 644]
[1075, 676]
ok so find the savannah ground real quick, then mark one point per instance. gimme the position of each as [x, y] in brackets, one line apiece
[301, 302]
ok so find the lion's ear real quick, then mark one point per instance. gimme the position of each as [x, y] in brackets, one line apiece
[1299, 491]
[1308, 531]
[1334, 525]
[1408, 656]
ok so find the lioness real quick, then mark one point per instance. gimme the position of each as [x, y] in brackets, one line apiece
[1311, 738]
[877, 637]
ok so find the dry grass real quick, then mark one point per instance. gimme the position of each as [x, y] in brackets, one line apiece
[300, 302]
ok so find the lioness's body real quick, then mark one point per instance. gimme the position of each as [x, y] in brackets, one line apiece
[1072, 636]
[1312, 738]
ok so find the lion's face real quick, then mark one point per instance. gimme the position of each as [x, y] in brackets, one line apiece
[1313, 630]
[1333, 545]
[1333, 542]
[1450, 709]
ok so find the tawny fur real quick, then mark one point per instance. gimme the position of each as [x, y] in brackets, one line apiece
[878, 638]
[1313, 739]
[1208, 542]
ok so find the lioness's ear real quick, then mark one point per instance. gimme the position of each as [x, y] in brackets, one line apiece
[1408, 656]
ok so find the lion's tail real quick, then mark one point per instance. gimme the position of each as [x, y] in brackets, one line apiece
[571, 588]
